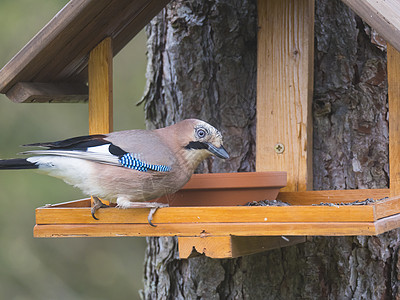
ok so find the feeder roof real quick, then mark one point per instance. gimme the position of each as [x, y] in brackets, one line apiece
[52, 66]
[382, 15]
[55, 60]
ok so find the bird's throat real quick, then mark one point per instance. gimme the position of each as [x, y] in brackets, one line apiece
[192, 158]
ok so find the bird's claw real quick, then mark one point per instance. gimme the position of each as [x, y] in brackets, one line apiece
[153, 211]
[150, 216]
[96, 205]
[153, 208]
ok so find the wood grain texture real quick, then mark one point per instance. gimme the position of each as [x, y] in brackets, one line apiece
[74, 204]
[60, 51]
[74, 219]
[213, 246]
[382, 15]
[133, 17]
[387, 207]
[207, 229]
[284, 89]
[332, 196]
[28, 92]
[387, 224]
[231, 246]
[110, 21]
[101, 88]
[183, 215]
[42, 48]
[393, 69]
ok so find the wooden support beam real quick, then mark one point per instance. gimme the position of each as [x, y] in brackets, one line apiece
[284, 89]
[213, 246]
[232, 246]
[214, 229]
[393, 70]
[382, 15]
[101, 88]
[28, 92]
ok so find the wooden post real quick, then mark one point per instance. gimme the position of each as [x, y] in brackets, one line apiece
[393, 70]
[284, 89]
[101, 88]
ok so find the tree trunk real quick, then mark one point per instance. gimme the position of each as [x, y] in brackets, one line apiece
[202, 64]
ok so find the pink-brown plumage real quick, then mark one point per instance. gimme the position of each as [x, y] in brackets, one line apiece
[93, 163]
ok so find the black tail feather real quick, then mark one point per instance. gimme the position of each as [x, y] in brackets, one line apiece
[80, 142]
[16, 164]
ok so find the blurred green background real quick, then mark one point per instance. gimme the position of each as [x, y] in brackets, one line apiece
[69, 268]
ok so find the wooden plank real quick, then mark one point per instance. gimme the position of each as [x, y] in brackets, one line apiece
[42, 48]
[393, 69]
[59, 52]
[382, 15]
[212, 246]
[387, 207]
[232, 246]
[179, 215]
[71, 204]
[28, 92]
[206, 229]
[284, 89]
[125, 27]
[331, 196]
[114, 13]
[74, 55]
[142, 17]
[387, 224]
[101, 88]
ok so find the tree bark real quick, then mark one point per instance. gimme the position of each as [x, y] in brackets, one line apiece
[202, 64]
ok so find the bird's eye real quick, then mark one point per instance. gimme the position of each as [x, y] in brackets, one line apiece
[201, 133]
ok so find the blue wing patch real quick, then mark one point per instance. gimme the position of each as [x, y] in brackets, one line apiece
[128, 161]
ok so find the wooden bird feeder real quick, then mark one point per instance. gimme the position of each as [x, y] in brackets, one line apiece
[76, 48]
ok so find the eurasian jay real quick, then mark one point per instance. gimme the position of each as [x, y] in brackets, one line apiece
[127, 167]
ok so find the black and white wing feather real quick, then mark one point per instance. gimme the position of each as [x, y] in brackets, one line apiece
[98, 149]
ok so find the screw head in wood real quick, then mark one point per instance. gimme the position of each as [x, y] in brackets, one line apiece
[279, 148]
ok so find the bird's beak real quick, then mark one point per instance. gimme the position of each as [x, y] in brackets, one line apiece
[218, 152]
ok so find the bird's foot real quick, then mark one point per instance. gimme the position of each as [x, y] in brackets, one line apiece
[96, 205]
[152, 205]
[153, 211]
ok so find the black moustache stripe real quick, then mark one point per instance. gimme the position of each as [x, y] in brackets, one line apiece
[196, 145]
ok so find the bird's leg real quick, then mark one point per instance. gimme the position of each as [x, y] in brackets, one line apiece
[153, 211]
[96, 205]
[152, 205]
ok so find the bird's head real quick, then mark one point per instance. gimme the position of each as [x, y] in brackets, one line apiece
[199, 140]
[206, 138]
